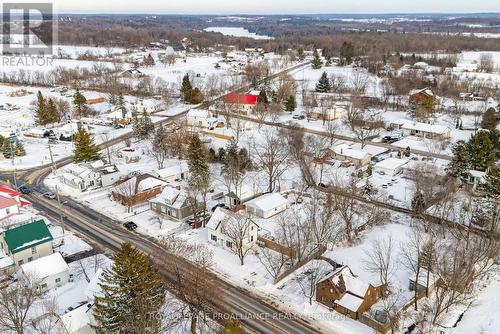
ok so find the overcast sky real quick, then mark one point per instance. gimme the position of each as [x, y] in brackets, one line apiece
[276, 6]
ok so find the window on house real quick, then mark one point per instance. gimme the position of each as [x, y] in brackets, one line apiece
[58, 280]
[7, 211]
[251, 228]
[30, 259]
[251, 238]
[44, 286]
[213, 237]
[20, 262]
[33, 250]
[229, 244]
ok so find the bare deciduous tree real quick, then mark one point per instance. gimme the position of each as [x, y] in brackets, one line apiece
[380, 259]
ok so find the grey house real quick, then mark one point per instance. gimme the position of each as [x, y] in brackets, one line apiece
[173, 203]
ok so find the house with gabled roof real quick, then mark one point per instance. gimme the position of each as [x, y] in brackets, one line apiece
[8, 207]
[224, 224]
[138, 189]
[244, 103]
[27, 242]
[175, 204]
[346, 293]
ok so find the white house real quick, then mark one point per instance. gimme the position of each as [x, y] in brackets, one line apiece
[344, 152]
[424, 130]
[201, 118]
[76, 321]
[267, 205]
[224, 225]
[8, 207]
[177, 171]
[390, 166]
[83, 176]
[51, 271]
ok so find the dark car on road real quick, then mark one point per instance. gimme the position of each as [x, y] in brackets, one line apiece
[24, 189]
[130, 226]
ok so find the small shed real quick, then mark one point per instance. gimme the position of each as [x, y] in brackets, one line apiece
[267, 205]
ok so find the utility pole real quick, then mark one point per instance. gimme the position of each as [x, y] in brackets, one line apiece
[11, 141]
[54, 170]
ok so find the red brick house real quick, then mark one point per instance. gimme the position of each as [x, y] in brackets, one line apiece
[423, 97]
[346, 293]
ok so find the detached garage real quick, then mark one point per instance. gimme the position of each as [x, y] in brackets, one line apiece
[391, 166]
[49, 271]
[267, 205]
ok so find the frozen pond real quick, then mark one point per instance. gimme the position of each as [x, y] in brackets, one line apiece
[236, 32]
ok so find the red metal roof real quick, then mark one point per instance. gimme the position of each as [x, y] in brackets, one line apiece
[6, 202]
[8, 191]
[241, 98]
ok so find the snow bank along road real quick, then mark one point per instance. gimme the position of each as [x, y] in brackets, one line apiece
[256, 315]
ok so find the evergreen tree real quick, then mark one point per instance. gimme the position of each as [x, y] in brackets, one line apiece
[489, 120]
[79, 102]
[263, 97]
[323, 85]
[346, 53]
[232, 327]
[186, 88]
[40, 116]
[19, 149]
[121, 105]
[316, 62]
[481, 151]
[198, 167]
[290, 104]
[52, 114]
[460, 161]
[143, 127]
[85, 149]
[7, 148]
[133, 295]
[492, 182]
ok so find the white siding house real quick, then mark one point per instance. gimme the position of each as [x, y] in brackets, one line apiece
[222, 225]
[267, 205]
[51, 271]
[390, 166]
[201, 118]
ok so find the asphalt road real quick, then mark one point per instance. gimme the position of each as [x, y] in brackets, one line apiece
[255, 314]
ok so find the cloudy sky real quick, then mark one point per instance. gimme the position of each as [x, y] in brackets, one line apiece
[276, 6]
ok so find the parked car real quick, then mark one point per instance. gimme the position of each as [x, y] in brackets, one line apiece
[221, 205]
[49, 195]
[130, 226]
[298, 117]
[24, 189]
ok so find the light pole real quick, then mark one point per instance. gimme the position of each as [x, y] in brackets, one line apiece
[12, 139]
[54, 170]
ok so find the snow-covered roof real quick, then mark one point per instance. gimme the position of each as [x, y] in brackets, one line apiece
[149, 183]
[350, 302]
[7, 202]
[427, 91]
[199, 113]
[80, 170]
[476, 173]
[267, 202]
[74, 320]
[173, 170]
[352, 283]
[391, 163]
[224, 216]
[46, 266]
[424, 127]
[345, 150]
